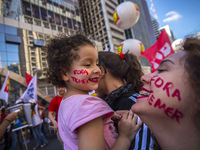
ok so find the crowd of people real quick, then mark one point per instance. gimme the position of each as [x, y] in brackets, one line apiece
[132, 110]
[37, 131]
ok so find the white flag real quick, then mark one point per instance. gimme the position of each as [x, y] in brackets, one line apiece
[5, 88]
[31, 91]
[112, 48]
[106, 48]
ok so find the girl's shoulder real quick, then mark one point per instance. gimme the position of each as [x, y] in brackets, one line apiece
[82, 97]
[83, 100]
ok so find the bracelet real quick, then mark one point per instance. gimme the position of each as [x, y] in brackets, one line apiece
[7, 120]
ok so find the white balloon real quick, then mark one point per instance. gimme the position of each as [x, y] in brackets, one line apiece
[177, 45]
[126, 15]
[132, 46]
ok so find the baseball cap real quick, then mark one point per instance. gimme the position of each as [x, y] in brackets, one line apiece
[31, 101]
[18, 101]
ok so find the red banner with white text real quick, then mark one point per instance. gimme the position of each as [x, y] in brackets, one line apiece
[159, 51]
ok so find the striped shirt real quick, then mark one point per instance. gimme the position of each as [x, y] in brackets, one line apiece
[143, 140]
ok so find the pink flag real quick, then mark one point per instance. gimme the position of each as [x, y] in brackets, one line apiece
[5, 88]
[31, 91]
[159, 51]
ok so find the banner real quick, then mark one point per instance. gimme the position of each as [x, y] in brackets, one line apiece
[31, 91]
[159, 51]
[5, 88]
[24, 116]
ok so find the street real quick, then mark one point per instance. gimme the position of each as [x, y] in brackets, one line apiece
[53, 143]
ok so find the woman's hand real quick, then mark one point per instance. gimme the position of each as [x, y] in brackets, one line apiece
[11, 117]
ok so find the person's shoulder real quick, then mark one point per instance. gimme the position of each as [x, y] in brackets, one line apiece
[93, 98]
[53, 99]
[85, 99]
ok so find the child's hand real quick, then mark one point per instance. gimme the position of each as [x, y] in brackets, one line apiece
[118, 115]
[127, 125]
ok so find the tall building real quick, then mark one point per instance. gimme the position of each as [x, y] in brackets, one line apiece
[155, 27]
[169, 32]
[25, 26]
[97, 20]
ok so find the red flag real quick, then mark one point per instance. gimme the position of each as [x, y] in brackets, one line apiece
[159, 51]
[28, 78]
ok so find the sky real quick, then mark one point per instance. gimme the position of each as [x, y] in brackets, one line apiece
[182, 16]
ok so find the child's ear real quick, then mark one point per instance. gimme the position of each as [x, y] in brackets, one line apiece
[65, 77]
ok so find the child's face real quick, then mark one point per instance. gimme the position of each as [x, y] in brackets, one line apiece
[84, 72]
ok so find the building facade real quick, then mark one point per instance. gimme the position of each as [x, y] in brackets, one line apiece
[169, 32]
[97, 20]
[155, 27]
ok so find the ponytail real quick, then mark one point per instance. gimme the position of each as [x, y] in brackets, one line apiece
[134, 71]
[126, 67]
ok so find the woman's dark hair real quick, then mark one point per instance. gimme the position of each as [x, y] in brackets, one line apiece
[61, 51]
[191, 64]
[33, 106]
[128, 69]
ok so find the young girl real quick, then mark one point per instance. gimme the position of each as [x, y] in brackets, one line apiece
[84, 121]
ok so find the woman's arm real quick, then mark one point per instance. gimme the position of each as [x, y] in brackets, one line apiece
[41, 107]
[6, 121]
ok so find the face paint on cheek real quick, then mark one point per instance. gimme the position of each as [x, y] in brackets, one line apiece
[158, 104]
[168, 86]
[177, 94]
[151, 99]
[177, 115]
[82, 81]
[80, 72]
[168, 111]
[153, 79]
[159, 82]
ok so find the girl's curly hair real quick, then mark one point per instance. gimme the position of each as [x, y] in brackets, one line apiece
[61, 50]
